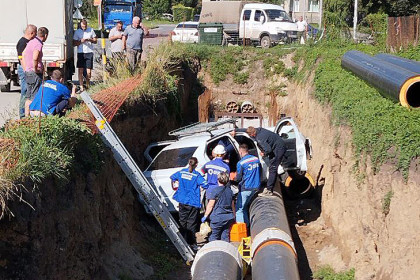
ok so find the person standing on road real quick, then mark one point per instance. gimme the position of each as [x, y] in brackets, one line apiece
[30, 33]
[214, 167]
[56, 97]
[32, 64]
[115, 36]
[84, 38]
[301, 28]
[188, 195]
[220, 208]
[133, 42]
[273, 146]
[249, 178]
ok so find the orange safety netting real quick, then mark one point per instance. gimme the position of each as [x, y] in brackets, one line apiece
[108, 101]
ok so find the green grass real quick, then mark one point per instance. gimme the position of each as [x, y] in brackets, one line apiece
[328, 273]
[386, 202]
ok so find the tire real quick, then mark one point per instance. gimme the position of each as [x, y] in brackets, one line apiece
[5, 88]
[265, 42]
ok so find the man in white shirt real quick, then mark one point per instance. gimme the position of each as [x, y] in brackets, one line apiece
[301, 28]
[83, 39]
[115, 36]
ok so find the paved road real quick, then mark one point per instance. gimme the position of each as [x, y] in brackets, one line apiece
[9, 101]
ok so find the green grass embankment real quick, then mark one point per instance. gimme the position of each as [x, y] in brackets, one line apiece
[382, 129]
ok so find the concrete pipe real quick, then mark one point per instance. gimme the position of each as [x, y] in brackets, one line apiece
[393, 82]
[273, 253]
[411, 65]
[247, 107]
[232, 107]
[217, 260]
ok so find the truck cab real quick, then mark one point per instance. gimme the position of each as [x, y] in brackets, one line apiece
[266, 25]
[122, 10]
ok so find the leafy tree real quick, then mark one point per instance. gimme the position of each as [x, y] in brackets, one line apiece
[154, 8]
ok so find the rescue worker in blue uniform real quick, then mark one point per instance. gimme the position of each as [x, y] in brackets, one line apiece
[188, 197]
[273, 146]
[215, 166]
[249, 178]
[220, 208]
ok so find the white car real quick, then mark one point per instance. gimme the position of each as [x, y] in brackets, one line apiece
[185, 32]
[168, 157]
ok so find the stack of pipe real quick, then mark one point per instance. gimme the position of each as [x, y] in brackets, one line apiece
[273, 253]
[217, 260]
[396, 78]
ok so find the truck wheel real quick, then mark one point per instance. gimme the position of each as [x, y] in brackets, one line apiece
[265, 42]
[5, 88]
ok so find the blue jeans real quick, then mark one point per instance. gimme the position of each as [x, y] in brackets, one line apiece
[22, 82]
[242, 204]
[220, 230]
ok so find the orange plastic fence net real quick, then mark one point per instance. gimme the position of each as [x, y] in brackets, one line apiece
[108, 101]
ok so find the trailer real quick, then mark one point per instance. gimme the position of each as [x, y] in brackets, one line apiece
[56, 15]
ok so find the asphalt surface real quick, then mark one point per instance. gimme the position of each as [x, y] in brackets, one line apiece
[9, 101]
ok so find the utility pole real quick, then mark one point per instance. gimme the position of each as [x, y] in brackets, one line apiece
[321, 10]
[355, 20]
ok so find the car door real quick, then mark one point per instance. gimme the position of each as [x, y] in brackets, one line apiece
[245, 24]
[257, 22]
[298, 147]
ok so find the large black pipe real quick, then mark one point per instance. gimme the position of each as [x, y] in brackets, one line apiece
[410, 65]
[273, 252]
[392, 81]
[217, 260]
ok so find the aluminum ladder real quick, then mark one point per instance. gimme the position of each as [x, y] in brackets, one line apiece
[139, 181]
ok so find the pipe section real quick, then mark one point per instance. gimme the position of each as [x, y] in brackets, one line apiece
[273, 252]
[217, 260]
[300, 185]
[410, 65]
[394, 82]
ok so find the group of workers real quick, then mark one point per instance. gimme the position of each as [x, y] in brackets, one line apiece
[41, 97]
[222, 211]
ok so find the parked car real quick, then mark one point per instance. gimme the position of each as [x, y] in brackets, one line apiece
[168, 157]
[167, 16]
[185, 32]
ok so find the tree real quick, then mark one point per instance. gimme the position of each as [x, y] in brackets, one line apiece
[154, 8]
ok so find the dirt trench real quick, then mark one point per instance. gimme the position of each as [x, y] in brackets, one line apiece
[94, 227]
[354, 230]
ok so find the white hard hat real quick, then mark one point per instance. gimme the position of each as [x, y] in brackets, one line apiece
[219, 150]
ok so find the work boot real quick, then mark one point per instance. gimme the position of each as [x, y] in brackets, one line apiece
[266, 192]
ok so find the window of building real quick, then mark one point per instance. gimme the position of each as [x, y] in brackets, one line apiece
[313, 6]
[295, 5]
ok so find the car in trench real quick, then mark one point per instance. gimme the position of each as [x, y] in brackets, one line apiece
[198, 140]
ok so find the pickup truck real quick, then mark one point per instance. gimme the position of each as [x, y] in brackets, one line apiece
[56, 15]
[261, 24]
[120, 10]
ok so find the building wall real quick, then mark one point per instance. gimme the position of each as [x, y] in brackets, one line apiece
[311, 17]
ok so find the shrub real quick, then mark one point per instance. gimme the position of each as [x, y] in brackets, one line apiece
[182, 13]
[241, 77]
[328, 273]
[378, 26]
[386, 202]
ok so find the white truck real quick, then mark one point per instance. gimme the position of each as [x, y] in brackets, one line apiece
[261, 24]
[56, 15]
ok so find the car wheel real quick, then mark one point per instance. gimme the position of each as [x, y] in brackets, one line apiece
[5, 88]
[265, 42]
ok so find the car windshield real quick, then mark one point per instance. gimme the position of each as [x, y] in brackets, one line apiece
[187, 25]
[172, 158]
[277, 15]
[118, 8]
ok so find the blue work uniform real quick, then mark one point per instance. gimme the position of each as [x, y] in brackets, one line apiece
[213, 168]
[249, 178]
[52, 93]
[188, 196]
[189, 187]
[221, 217]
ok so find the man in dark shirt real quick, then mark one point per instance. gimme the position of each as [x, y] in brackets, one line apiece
[273, 146]
[30, 33]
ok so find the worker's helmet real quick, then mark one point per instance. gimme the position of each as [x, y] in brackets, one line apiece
[219, 150]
